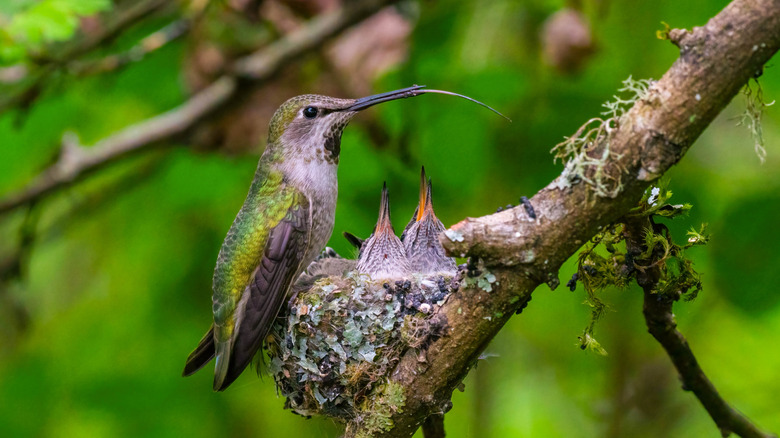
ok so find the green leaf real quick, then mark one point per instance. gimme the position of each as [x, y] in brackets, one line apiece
[46, 22]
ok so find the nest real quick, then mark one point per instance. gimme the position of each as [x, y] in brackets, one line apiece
[344, 334]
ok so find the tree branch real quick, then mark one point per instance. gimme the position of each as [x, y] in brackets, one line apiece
[138, 52]
[660, 321]
[76, 162]
[433, 426]
[716, 60]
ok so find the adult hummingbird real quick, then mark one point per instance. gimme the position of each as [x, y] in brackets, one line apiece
[421, 236]
[382, 255]
[286, 220]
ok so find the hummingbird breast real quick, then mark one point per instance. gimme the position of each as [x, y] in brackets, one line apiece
[317, 179]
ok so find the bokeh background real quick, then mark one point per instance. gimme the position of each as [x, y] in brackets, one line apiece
[114, 286]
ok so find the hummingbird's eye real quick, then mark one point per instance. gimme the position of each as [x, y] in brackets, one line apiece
[310, 112]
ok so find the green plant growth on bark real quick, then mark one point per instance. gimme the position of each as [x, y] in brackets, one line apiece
[604, 261]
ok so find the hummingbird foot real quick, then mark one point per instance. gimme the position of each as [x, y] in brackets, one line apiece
[293, 297]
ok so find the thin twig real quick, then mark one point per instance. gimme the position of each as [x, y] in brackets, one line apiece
[138, 52]
[660, 321]
[15, 267]
[76, 162]
[433, 426]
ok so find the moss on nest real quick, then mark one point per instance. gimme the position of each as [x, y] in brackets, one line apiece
[342, 337]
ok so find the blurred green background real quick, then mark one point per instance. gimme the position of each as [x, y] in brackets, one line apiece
[114, 291]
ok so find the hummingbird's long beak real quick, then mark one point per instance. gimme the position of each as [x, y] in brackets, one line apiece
[403, 93]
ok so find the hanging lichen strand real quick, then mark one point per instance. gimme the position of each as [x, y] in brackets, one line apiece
[580, 153]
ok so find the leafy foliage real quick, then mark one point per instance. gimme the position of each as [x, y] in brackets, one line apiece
[35, 24]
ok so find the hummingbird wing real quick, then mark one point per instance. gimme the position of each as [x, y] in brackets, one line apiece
[262, 299]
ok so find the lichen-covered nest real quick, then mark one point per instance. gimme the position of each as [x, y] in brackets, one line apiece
[344, 334]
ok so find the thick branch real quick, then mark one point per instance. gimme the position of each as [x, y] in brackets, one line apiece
[257, 67]
[715, 62]
[76, 161]
[660, 321]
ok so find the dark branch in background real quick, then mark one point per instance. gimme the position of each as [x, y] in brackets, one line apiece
[77, 161]
[147, 45]
[433, 426]
[14, 267]
[715, 61]
[115, 24]
[661, 324]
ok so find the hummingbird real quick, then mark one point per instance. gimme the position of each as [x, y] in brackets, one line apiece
[284, 223]
[382, 255]
[421, 236]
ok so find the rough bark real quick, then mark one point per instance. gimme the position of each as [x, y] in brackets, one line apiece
[715, 61]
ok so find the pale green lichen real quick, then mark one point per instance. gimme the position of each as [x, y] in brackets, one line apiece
[455, 236]
[527, 256]
[751, 117]
[588, 342]
[375, 414]
[343, 335]
[484, 281]
[576, 152]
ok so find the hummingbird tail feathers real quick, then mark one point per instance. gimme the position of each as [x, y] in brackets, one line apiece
[222, 367]
[202, 354]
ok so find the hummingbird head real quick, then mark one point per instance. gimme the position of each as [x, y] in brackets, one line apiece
[310, 126]
[382, 255]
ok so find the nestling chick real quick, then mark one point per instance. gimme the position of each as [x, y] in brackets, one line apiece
[382, 255]
[421, 237]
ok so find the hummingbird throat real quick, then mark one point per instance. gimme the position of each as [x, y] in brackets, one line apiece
[333, 142]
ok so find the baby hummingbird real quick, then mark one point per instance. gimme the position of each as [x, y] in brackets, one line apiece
[382, 255]
[421, 237]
